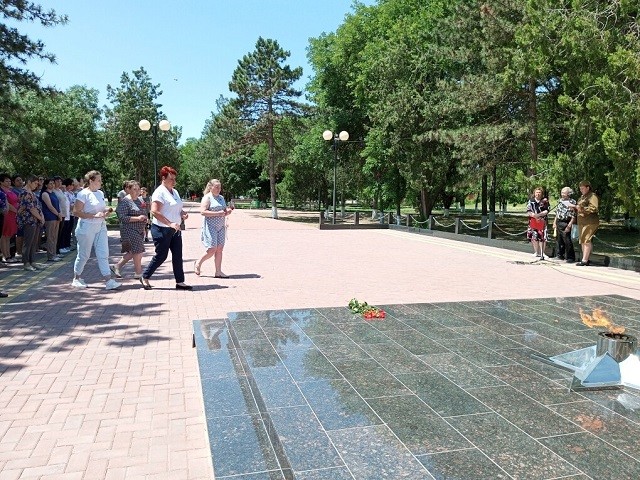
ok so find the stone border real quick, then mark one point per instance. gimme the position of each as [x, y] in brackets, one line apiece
[600, 260]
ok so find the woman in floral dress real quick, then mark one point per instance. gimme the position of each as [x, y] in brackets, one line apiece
[214, 210]
[30, 220]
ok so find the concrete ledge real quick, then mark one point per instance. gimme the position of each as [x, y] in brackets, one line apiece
[599, 260]
[353, 226]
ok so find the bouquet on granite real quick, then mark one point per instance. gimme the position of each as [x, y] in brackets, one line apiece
[369, 312]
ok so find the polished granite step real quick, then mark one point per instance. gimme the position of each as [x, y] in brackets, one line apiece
[438, 390]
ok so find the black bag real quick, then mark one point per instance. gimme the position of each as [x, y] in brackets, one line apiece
[125, 247]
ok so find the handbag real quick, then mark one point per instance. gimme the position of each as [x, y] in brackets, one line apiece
[574, 232]
[125, 247]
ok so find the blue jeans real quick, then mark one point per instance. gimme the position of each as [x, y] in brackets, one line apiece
[165, 239]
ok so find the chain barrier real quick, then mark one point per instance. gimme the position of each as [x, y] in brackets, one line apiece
[636, 247]
[416, 221]
[475, 229]
[435, 220]
[507, 233]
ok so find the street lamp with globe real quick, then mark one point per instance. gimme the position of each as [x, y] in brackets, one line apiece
[145, 125]
[343, 136]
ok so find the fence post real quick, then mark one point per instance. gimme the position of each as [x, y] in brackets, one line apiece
[321, 217]
[490, 231]
[357, 218]
[430, 224]
[408, 220]
[457, 227]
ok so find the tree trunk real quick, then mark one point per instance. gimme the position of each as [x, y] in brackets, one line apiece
[272, 172]
[484, 195]
[533, 120]
[492, 192]
[427, 202]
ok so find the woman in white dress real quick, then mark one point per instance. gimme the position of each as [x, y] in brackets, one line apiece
[214, 211]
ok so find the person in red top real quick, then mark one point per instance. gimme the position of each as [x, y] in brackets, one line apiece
[537, 210]
[10, 224]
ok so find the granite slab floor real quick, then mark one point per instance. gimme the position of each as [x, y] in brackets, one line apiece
[433, 391]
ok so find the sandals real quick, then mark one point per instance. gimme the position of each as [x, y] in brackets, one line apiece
[196, 268]
[145, 284]
[115, 271]
[220, 275]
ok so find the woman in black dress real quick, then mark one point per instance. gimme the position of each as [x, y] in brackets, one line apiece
[133, 220]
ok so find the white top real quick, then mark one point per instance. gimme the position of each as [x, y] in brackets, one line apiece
[93, 202]
[171, 205]
[71, 198]
[63, 202]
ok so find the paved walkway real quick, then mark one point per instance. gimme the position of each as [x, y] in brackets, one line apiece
[97, 384]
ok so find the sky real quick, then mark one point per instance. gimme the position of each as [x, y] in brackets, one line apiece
[189, 47]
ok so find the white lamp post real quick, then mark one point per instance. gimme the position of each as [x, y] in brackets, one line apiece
[145, 125]
[343, 136]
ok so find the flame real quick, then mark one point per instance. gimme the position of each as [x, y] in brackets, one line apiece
[600, 319]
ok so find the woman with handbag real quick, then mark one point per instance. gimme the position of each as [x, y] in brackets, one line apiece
[537, 210]
[133, 220]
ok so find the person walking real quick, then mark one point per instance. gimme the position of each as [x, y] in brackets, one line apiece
[562, 224]
[91, 232]
[214, 211]
[133, 221]
[588, 221]
[168, 213]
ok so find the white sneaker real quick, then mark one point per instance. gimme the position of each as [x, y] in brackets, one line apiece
[78, 283]
[29, 268]
[64, 250]
[112, 284]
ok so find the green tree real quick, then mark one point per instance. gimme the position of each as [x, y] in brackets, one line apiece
[220, 153]
[591, 50]
[16, 48]
[131, 149]
[265, 95]
[57, 134]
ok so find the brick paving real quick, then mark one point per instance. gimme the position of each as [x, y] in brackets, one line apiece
[97, 384]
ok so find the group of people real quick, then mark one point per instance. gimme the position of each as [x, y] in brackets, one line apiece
[583, 214]
[57, 208]
[32, 209]
[167, 222]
